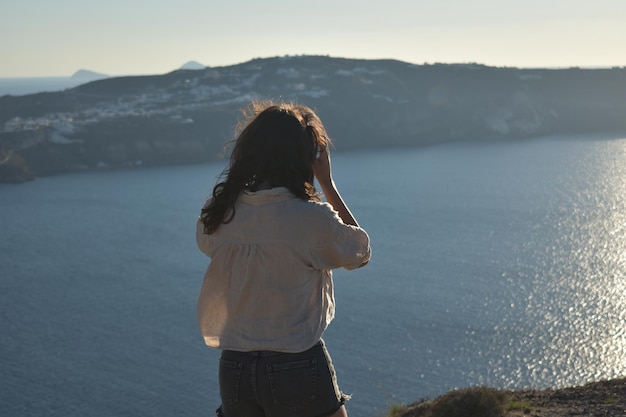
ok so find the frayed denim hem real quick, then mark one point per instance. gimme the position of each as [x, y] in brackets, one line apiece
[342, 401]
[344, 398]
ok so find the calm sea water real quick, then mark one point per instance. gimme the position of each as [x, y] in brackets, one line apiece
[494, 264]
[21, 86]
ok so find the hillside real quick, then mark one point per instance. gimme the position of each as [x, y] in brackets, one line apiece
[187, 115]
[602, 398]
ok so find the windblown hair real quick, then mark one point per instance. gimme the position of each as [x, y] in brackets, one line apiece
[276, 147]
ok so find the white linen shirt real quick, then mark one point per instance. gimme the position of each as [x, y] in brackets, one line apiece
[269, 284]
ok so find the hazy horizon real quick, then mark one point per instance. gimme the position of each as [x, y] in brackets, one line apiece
[174, 68]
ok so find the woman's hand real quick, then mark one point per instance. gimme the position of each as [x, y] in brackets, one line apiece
[322, 170]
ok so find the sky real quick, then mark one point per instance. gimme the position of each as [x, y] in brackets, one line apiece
[45, 38]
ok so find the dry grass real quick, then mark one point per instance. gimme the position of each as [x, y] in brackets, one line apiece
[602, 398]
[468, 402]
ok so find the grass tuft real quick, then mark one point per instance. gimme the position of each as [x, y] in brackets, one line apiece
[469, 402]
[395, 411]
[518, 406]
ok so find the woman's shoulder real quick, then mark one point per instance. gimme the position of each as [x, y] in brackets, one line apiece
[315, 208]
[323, 220]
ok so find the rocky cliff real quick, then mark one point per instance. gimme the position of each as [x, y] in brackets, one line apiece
[187, 115]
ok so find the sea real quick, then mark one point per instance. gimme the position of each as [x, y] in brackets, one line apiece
[494, 264]
[18, 86]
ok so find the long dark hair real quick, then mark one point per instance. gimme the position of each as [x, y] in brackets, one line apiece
[277, 146]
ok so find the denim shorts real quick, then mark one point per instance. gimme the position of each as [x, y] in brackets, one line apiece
[275, 384]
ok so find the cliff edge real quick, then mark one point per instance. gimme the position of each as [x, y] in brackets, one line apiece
[604, 398]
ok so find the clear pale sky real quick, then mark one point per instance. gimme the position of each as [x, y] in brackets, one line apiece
[125, 37]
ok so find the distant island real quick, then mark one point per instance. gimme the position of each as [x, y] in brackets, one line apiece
[84, 76]
[193, 65]
[185, 116]
[31, 85]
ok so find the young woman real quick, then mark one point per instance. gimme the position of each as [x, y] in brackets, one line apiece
[267, 295]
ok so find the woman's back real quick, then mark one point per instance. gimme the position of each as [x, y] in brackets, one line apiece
[269, 285]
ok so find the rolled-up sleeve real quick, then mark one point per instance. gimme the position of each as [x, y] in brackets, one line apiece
[343, 246]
